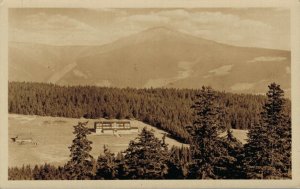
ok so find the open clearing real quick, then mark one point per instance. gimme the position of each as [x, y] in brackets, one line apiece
[55, 134]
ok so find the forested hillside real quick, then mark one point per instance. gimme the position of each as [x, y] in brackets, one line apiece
[266, 155]
[169, 109]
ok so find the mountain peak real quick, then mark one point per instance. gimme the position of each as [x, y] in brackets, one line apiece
[160, 30]
[157, 57]
[159, 33]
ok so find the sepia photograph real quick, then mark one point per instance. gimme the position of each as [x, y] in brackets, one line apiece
[150, 93]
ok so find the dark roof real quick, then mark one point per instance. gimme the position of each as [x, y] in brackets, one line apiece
[112, 121]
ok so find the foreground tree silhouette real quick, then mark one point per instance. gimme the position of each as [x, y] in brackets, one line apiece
[267, 153]
[286, 145]
[106, 166]
[206, 146]
[231, 161]
[80, 166]
[178, 163]
[145, 158]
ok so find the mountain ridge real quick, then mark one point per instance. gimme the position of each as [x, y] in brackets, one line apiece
[143, 31]
[156, 57]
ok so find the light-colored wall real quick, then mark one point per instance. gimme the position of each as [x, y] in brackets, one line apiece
[99, 131]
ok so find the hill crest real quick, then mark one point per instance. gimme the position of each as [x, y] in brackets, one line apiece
[156, 57]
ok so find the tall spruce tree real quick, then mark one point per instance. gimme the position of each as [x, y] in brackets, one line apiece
[207, 151]
[267, 153]
[145, 158]
[80, 166]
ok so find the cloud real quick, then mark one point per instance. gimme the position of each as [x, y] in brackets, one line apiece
[43, 21]
[218, 26]
[177, 14]
[228, 28]
[268, 59]
[224, 27]
[146, 19]
[51, 37]
[53, 29]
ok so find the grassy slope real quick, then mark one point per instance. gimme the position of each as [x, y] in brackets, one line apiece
[54, 135]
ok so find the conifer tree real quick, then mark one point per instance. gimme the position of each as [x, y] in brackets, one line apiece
[177, 166]
[22, 173]
[267, 152]
[47, 172]
[145, 158]
[285, 142]
[35, 172]
[106, 165]
[206, 149]
[231, 161]
[80, 166]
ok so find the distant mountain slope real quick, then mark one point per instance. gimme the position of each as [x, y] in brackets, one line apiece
[157, 57]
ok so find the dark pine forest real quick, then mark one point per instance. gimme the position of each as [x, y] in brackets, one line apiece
[168, 109]
[194, 116]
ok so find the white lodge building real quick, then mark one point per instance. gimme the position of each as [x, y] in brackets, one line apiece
[114, 127]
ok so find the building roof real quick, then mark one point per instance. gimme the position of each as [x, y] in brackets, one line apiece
[112, 121]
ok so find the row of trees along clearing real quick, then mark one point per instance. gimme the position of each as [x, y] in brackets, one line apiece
[167, 109]
[266, 155]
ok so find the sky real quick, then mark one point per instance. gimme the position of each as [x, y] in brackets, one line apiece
[250, 27]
